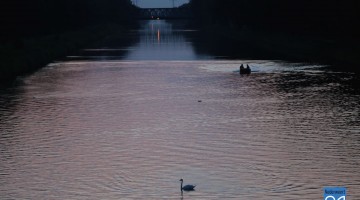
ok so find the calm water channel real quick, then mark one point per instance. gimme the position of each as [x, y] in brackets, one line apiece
[115, 122]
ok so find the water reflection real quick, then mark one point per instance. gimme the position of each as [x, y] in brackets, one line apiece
[159, 40]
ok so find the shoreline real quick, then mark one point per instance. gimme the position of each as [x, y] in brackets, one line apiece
[342, 56]
[35, 53]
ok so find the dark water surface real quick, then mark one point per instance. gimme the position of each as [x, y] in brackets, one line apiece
[128, 122]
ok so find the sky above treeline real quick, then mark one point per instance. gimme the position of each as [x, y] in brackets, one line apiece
[159, 3]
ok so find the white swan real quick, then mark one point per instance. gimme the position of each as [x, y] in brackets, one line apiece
[186, 187]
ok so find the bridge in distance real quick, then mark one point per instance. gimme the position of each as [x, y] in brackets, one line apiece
[164, 13]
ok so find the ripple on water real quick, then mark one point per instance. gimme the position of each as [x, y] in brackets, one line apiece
[104, 130]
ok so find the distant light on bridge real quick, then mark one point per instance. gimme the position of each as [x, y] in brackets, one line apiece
[159, 3]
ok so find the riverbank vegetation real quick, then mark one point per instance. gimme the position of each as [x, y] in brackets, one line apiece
[316, 31]
[35, 32]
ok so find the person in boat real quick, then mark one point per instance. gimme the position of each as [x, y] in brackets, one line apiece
[242, 69]
[248, 70]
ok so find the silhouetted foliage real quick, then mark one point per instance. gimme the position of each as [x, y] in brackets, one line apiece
[34, 17]
[35, 32]
[301, 16]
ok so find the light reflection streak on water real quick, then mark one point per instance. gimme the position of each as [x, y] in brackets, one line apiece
[161, 42]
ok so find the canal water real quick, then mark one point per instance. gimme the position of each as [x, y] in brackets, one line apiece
[127, 122]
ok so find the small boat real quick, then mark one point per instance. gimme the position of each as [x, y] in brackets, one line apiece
[244, 70]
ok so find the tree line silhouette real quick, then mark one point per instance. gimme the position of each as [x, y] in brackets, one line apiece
[34, 17]
[21, 18]
[338, 17]
[35, 32]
